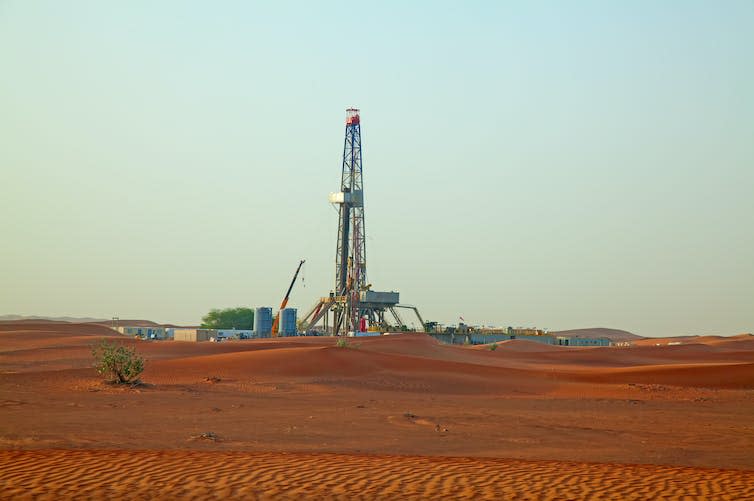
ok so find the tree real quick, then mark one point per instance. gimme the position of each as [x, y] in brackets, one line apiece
[229, 318]
[122, 364]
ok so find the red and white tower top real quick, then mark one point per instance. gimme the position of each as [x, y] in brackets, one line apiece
[352, 116]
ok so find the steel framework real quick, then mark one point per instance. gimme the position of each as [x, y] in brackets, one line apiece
[350, 255]
[353, 303]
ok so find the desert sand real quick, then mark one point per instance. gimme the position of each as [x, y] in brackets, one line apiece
[395, 417]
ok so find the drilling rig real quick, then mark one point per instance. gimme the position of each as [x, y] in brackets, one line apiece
[354, 306]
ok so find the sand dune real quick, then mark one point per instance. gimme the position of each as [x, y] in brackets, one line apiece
[708, 340]
[594, 332]
[720, 375]
[720, 363]
[400, 416]
[37, 318]
[45, 329]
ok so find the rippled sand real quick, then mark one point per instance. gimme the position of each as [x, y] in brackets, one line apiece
[60, 474]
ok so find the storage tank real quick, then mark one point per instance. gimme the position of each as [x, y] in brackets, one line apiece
[287, 325]
[263, 321]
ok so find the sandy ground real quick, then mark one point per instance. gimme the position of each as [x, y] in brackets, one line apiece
[233, 475]
[397, 417]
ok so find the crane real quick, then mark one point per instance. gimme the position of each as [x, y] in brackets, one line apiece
[285, 299]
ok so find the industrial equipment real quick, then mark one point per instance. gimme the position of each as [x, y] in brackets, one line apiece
[354, 305]
[285, 300]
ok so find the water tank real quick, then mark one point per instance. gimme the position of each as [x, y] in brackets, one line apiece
[263, 321]
[287, 324]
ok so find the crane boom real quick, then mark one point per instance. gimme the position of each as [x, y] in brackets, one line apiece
[285, 299]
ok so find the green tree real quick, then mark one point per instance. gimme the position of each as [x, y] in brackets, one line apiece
[229, 318]
[116, 361]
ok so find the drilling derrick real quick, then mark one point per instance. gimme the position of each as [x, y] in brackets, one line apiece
[353, 304]
[350, 255]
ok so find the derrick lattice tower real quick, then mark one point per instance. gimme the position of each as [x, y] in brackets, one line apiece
[355, 308]
[350, 256]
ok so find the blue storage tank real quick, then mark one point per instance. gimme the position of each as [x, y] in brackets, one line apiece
[263, 321]
[287, 324]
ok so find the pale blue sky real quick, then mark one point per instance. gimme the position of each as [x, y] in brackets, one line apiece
[558, 164]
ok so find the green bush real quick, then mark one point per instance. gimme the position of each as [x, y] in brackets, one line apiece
[493, 347]
[229, 318]
[341, 343]
[117, 362]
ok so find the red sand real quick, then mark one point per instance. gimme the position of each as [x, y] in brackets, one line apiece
[419, 419]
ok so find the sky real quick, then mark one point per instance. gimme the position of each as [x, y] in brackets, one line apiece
[551, 164]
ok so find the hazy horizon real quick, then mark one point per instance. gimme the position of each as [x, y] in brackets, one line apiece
[560, 166]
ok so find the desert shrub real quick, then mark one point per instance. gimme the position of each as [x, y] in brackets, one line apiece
[493, 347]
[117, 362]
[341, 343]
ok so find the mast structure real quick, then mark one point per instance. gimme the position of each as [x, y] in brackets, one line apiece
[350, 255]
[355, 307]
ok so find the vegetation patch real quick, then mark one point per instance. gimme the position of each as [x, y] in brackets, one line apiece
[117, 363]
[229, 318]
